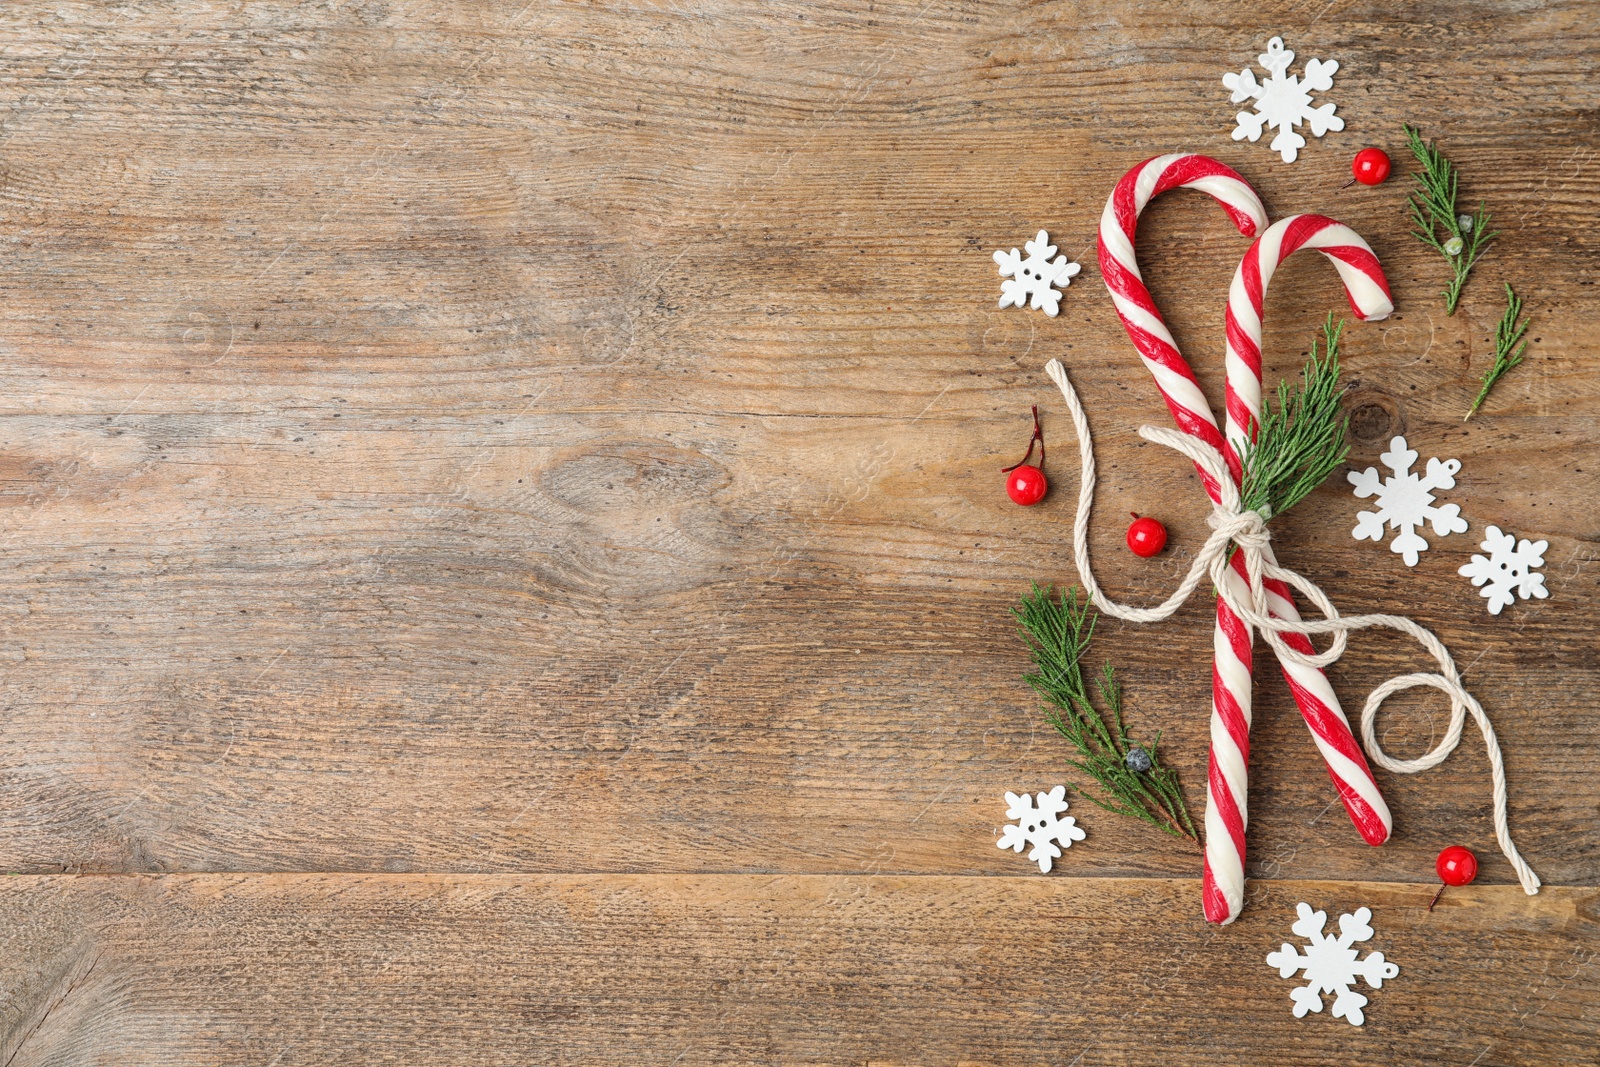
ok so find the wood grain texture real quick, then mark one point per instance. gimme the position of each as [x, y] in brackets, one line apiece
[601, 969]
[563, 440]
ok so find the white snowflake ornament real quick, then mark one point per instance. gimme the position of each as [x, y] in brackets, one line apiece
[1039, 826]
[1405, 501]
[1508, 571]
[1283, 101]
[1330, 964]
[1035, 276]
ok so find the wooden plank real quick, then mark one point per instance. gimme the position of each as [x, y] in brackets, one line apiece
[200, 969]
[458, 217]
[589, 645]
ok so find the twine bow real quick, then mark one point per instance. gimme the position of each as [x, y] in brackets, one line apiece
[1234, 526]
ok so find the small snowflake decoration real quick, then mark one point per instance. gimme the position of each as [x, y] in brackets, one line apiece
[1039, 826]
[1405, 501]
[1034, 276]
[1508, 570]
[1330, 964]
[1283, 101]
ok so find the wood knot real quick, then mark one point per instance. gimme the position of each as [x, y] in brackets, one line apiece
[1375, 416]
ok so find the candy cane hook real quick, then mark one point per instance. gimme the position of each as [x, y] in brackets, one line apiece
[1364, 283]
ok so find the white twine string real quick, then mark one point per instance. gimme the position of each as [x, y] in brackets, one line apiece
[1232, 525]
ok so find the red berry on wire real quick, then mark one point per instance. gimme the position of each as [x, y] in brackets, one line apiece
[1371, 166]
[1027, 484]
[1456, 866]
[1146, 536]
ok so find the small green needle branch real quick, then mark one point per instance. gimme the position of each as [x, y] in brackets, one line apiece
[1301, 441]
[1057, 631]
[1433, 211]
[1509, 344]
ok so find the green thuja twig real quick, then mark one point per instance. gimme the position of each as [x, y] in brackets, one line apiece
[1508, 347]
[1433, 210]
[1300, 442]
[1057, 631]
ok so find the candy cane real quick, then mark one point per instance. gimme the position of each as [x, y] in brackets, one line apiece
[1227, 779]
[1227, 776]
[1368, 291]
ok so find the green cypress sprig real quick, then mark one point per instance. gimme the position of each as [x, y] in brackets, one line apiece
[1508, 347]
[1433, 210]
[1057, 631]
[1302, 441]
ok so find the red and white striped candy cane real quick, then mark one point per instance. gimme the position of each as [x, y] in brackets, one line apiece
[1227, 780]
[1368, 291]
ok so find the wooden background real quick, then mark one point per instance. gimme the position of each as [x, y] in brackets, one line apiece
[504, 558]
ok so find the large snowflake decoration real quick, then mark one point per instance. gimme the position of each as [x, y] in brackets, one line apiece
[1283, 101]
[1039, 826]
[1034, 276]
[1405, 501]
[1507, 572]
[1330, 964]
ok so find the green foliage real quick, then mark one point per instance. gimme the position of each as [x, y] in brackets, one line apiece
[1433, 210]
[1057, 631]
[1508, 347]
[1301, 442]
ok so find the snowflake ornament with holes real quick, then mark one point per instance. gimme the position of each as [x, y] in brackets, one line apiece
[1330, 964]
[1405, 501]
[1039, 826]
[1283, 101]
[1507, 572]
[1035, 276]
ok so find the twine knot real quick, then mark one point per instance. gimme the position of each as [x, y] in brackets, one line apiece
[1247, 529]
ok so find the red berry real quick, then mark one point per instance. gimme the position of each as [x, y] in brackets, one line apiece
[1146, 536]
[1026, 482]
[1456, 865]
[1371, 166]
[1027, 485]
